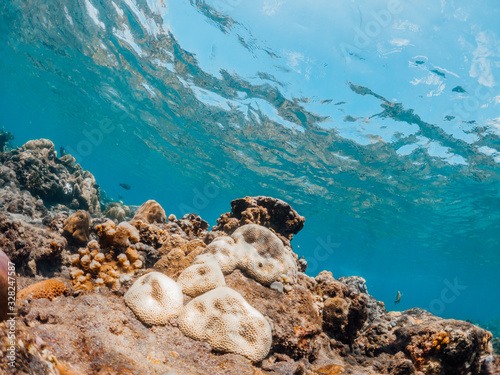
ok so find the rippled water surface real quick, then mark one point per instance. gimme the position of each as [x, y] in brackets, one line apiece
[378, 121]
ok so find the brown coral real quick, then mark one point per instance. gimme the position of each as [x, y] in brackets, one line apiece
[177, 254]
[117, 211]
[50, 289]
[77, 227]
[121, 235]
[150, 212]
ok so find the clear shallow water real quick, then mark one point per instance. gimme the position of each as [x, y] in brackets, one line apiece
[378, 121]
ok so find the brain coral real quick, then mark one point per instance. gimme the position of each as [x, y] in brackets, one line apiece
[150, 212]
[154, 298]
[200, 278]
[255, 250]
[228, 323]
[50, 289]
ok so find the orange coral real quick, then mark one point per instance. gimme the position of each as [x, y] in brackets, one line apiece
[91, 267]
[441, 339]
[50, 289]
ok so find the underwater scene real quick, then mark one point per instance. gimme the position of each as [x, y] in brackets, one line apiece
[250, 187]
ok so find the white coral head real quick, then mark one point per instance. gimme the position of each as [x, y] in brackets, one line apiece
[201, 278]
[227, 323]
[154, 298]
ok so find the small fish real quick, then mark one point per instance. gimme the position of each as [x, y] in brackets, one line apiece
[398, 297]
[120, 197]
[125, 186]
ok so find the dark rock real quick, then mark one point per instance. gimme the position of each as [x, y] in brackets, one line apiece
[272, 213]
[434, 345]
[193, 225]
[294, 315]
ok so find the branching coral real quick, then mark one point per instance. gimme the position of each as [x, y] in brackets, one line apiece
[91, 267]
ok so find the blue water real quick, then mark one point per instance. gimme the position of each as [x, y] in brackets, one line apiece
[378, 121]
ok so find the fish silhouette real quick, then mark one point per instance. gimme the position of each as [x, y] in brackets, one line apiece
[398, 297]
[126, 186]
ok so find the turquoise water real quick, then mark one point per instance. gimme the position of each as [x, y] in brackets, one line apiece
[378, 121]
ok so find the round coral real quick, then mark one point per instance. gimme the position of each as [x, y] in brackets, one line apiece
[155, 298]
[201, 278]
[224, 320]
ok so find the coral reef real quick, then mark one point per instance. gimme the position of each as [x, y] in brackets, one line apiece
[248, 304]
[37, 170]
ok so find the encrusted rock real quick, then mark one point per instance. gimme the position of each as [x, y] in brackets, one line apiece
[434, 345]
[271, 213]
[34, 250]
[38, 170]
[193, 225]
[4, 284]
[296, 322]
